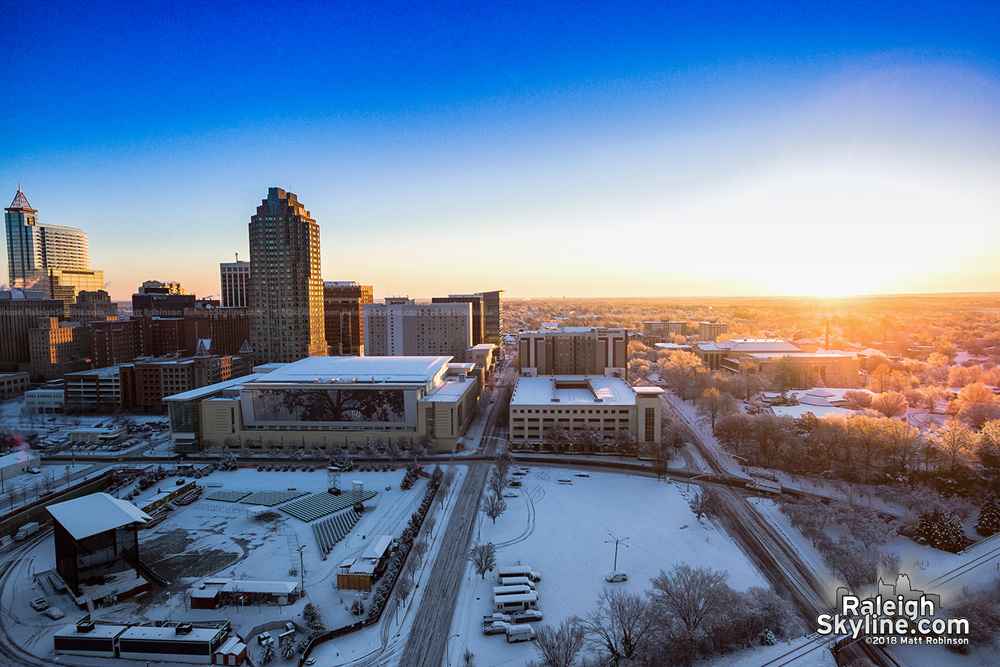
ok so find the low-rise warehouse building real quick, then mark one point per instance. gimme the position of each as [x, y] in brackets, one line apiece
[607, 404]
[16, 463]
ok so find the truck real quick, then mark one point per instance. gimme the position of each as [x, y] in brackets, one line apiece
[513, 589]
[27, 530]
[764, 485]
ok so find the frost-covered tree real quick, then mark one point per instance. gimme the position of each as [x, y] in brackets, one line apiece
[941, 530]
[989, 517]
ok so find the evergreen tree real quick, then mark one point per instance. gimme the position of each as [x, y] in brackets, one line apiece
[989, 517]
[941, 530]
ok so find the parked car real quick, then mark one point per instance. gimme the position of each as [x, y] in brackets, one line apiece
[616, 577]
[39, 604]
[55, 613]
[510, 494]
[528, 616]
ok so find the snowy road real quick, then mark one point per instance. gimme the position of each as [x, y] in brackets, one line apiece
[429, 636]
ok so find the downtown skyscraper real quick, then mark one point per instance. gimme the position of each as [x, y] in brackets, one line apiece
[35, 251]
[285, 289]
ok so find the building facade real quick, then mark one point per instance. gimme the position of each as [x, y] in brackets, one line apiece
[607, 404]
[93, 306]
[709, 331]
[492, 317]
[56, 348]
[285, 288]
[401, 327]
[476, 300]
[33, 249]
[327, 403]
[234, 278]
[574, 351]
[342, 307]
[18, 315]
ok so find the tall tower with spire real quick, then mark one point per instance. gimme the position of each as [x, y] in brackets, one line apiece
[285, 290]
[49, 259]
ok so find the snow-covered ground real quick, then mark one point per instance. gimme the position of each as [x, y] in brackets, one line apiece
[219, 539]
[563, 530]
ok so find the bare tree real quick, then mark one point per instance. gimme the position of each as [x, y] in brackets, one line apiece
[403, 587]
[622, 627]
[494, 506]
[483, 557]
[429, 524]
[420, 548]
[690, 594]
[468, 658]
[559, 647]
[714, 404]
[707, 501]
[497, 483]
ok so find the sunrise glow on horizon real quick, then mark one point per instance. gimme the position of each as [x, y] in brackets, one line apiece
[645, 152]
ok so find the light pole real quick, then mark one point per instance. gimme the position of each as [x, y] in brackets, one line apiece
[447, 643]
[617, 541]
[302, 571]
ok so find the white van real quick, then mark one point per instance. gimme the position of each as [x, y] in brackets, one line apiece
[520, 633]
[518, 571]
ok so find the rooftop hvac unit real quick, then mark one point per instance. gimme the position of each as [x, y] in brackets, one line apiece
[85, 626]
[183, 629]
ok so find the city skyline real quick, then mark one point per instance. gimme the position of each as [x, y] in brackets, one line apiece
[640, 152]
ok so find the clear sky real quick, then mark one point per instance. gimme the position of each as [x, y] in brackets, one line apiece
[544, 148]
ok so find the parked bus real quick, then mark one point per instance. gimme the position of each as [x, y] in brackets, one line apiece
[518, 571]
[519, 589]
[512, 604]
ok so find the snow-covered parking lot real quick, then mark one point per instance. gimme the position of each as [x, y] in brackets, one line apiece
[562, 530]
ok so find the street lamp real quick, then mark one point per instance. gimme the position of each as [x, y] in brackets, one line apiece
[691, 479]
[617, 541]
[446, 645]
[302, 570]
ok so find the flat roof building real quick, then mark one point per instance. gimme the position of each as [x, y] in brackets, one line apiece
[327, 402]
[607, 404]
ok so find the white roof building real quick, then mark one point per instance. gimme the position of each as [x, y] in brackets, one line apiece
[96, 513]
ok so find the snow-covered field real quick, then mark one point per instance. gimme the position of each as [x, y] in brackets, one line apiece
[219, 539]
[562, 532]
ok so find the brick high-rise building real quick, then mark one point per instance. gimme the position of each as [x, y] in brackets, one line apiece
[574, 351]
[342, 304]
[57, 348]
[113, 342]
[228, 328]
[93, 306]
[285, 288]
[17, 316]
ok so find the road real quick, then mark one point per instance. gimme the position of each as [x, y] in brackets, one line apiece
[428, 640]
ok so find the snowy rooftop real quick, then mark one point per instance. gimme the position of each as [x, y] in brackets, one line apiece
[581, 390]
[449, 390]
[16, 457]
[378, 547]
[804, 355]
[102, 630]
[209, 390]
[420, 370]
[167, 632]
[802, 409]
[265, 587]
[749, 345]
[96, 513]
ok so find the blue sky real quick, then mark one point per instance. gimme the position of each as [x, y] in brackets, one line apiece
[542, 148]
